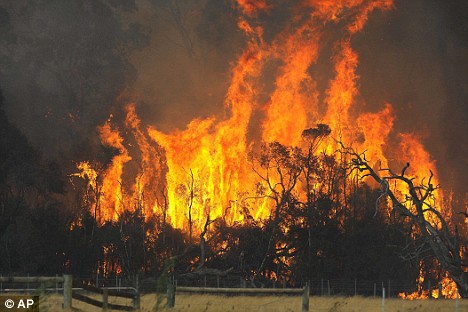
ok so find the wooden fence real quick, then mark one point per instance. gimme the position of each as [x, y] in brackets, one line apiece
[69, 293]
[105, 305]
[172, 289]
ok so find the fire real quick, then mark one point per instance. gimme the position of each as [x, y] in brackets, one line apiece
[448, 286]
[215, 151]
[111, 184]
[449, 289]
[294, 101]
[151, 166]
[87, 173]
[204, 170]
[376, 128]
[421, 293]
[250, 7]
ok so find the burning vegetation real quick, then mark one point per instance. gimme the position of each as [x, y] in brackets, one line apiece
[283, 183]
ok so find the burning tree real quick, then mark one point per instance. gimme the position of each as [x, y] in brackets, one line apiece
[430, 222]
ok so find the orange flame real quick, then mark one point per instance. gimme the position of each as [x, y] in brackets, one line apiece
[215, 152]
[251, 7]
[448, 286]
[204, 170]
[113, 197]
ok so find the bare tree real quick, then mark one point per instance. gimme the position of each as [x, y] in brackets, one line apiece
[178, 14]
[201, 269]
[313, 137]
[442, 240]
[280, 170]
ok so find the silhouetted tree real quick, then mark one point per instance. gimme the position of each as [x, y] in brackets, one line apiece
[429, 222]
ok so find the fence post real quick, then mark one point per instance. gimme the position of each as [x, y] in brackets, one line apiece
[383, 299]
[67, 291]
[170, 295]
[355, 287]
[136, 301]
[375, 289]
[305, 298]
[440, 291]
[105, 299]
[328, 285]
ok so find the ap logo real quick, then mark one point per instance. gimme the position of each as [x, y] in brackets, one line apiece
[19, 303]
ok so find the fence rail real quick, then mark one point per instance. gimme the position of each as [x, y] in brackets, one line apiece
[110, 292]
[104, 304]
[70, 293]
[31, 279]
[257, 291]
[172, 290]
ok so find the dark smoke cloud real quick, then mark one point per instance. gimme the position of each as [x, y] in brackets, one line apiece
[414, 57]
[184, 72]
[63, 66]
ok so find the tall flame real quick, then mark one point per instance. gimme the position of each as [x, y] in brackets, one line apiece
[203, 170]
[112, 191]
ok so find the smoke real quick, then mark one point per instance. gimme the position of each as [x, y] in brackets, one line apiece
[63, 68]
[414, 57]
[66, 67]
[184, 72]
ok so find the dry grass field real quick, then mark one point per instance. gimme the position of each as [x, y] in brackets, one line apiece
[212, 303]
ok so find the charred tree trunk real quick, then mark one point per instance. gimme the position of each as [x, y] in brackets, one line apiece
[203, 244]
[201, 270]
[192, 194]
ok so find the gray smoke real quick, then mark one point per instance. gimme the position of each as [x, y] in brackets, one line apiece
[414, 57]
